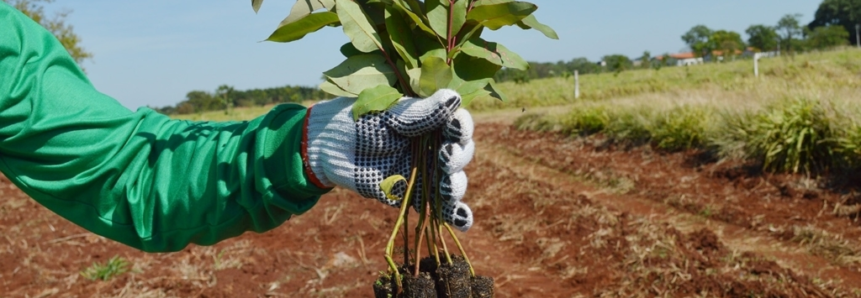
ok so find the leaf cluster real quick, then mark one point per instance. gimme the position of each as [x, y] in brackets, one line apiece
[412, 48]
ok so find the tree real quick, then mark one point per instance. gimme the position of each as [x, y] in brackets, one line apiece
[790, 26]
[846, 13]
[698, 40]
[762, 37]
[728, 42]
[827, 37]
[224, 92]
[56, 25]
[646, 60]
[618, 63]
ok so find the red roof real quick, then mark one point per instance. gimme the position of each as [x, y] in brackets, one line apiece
[680, 56]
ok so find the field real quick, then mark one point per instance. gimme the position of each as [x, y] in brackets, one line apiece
[562, 209]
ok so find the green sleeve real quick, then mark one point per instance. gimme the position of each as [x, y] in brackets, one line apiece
[139, 178]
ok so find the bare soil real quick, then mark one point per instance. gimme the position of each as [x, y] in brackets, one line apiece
[555, 217]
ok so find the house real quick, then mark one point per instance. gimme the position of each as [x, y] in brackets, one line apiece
[684, 59]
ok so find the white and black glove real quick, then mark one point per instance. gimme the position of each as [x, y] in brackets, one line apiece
[358, 155]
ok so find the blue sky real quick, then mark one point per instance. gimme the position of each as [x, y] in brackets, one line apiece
[154, 52]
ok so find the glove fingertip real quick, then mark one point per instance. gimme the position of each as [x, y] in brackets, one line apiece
[460, 128]
[459, 216]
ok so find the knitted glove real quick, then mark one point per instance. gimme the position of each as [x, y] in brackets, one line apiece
[358, 155]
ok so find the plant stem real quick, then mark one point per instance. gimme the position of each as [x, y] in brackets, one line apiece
[390, 247]
[450, 40]
[408, 91]
[444, 247]
[462, 252]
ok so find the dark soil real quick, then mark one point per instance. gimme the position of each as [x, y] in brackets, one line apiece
[446, 281]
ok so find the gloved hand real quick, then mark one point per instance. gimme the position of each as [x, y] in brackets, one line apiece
[358, 155]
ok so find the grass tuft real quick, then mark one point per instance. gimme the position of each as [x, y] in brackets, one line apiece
[795, 135]
[113, 267]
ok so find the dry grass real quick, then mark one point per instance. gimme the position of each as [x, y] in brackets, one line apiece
[801, 115]
[832, 70]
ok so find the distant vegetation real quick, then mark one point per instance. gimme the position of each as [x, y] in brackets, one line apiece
[226, 97]
[800, 115]
[833, 26]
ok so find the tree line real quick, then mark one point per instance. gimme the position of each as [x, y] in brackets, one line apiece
[834, 25]
[225, 97]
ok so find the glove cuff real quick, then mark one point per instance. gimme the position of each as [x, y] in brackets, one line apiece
[306, 165]
[329, 133]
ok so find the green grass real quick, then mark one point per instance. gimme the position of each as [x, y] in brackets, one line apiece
[113, 267]
[835, 70]
[801, 115]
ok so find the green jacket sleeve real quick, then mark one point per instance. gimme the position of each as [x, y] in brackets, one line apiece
[139, 178]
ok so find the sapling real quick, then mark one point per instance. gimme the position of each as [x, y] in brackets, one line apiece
[413, 48]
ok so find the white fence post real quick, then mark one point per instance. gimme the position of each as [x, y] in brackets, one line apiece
[756, 64]
[576, 84]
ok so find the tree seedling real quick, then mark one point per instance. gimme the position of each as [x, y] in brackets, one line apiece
[413, 48]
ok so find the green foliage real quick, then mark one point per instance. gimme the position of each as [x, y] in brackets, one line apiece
[618, 63]
[202, 101]
[790, 27]
[375, 99]
[678, 129]
[587, 121]
[827, 37]
[413, 47]
[56, 25]
[698, 40]
[762, 37]
[389, 183]
[795, 136]
[113, 267]
[540, 70]
[849, 149]
[728, 42]
[845, 13]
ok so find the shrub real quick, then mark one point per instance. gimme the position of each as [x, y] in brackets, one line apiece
[796, 135]
[678, 128]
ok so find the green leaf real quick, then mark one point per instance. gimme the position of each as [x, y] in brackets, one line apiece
[468, 97]
[467, 87]
[375, 99]
[494, 91]
[471, 75]
[389, 183]
[298, 29]
[531, 22]
[470, 28]
[255, 4]
[301, 9]
[401, 36]
[495, 53]
[437, 17]
[495, 16]
[415, 75]
[458, 15]
[436, 74]
[416, 18]
[333, 89]
[358, 27]
[349, 50]
[471, 68]
[360, 72]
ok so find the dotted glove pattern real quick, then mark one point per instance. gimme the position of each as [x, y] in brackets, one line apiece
[359, 155]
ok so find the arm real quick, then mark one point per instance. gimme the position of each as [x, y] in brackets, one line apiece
[139, 178]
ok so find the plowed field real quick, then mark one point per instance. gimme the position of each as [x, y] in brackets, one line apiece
[556, 217]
